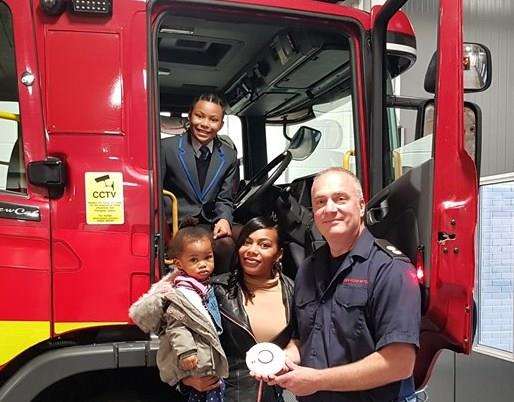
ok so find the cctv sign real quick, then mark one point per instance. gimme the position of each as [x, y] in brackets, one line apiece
[104, 198]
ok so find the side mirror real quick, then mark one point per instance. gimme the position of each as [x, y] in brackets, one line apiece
[472, 128]
[476, 65]
[304, 142]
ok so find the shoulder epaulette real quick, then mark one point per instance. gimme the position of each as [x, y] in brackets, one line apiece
[389, 249]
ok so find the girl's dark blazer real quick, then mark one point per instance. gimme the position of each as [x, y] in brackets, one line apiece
[216, 199]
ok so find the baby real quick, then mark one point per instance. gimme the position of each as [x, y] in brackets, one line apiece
[182, 309]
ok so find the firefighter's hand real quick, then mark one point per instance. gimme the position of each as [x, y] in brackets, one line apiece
[299, 380]
[202, 384]
[222, 229]
[188, 363]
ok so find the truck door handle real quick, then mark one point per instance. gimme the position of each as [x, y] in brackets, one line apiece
[377, 214]
[49, 173]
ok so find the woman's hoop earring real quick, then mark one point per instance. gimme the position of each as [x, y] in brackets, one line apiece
[277, 267]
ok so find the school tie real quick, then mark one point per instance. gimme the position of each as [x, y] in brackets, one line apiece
[204, 152]
[202, 164]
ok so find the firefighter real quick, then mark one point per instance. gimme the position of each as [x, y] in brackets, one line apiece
[357, 307]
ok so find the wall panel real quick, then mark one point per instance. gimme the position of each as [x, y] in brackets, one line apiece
[490, 23]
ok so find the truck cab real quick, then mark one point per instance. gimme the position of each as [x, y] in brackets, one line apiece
[90, 88]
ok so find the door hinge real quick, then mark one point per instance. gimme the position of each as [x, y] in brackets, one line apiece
[156, 243]
[443, 237]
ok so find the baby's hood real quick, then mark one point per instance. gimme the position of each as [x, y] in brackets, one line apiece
[148, 310]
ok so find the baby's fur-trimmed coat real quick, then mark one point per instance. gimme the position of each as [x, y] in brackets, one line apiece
[182, 330]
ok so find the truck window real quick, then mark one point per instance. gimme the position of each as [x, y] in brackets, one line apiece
[337, 145]
[410, 145]
[232, 131]
[409, 150]
[12, 167]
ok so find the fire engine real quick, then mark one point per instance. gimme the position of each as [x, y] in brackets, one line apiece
[82, 227]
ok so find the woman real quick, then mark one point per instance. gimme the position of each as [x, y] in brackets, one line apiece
[254, 301]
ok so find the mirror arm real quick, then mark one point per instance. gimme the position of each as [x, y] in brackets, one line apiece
[284, 129]
[406, 102]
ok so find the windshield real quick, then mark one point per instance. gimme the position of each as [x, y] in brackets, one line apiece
[337, 146]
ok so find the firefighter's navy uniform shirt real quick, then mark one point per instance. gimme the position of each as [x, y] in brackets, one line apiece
[349, 307]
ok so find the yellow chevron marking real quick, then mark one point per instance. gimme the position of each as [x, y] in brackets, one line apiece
[62, 327]
[17, 336]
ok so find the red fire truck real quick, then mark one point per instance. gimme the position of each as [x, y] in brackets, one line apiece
[81, 213]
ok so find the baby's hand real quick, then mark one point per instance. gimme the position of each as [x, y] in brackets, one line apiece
[188, 363]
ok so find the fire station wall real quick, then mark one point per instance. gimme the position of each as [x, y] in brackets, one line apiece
[489, 23]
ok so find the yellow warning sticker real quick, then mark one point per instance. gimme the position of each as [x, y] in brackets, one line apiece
[104, 198]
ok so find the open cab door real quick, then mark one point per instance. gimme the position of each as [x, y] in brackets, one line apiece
[427, 206]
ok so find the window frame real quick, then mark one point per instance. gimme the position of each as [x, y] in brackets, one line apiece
[18, 120]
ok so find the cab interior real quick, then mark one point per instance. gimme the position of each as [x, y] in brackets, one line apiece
[276, 76]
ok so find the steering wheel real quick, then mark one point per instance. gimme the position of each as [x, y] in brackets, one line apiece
[252, 191]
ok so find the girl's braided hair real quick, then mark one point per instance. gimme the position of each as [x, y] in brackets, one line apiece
[209, 97]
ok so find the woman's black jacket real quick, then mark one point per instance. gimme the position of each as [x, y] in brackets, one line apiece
[237, 338]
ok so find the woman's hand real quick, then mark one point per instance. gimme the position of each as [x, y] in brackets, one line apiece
[222, 229]
[202, 384]
[270, 379]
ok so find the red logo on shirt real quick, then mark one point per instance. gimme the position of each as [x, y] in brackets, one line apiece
[355, 282]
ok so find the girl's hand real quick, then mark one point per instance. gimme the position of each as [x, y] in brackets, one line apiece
[189, 362]
[222, 229]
